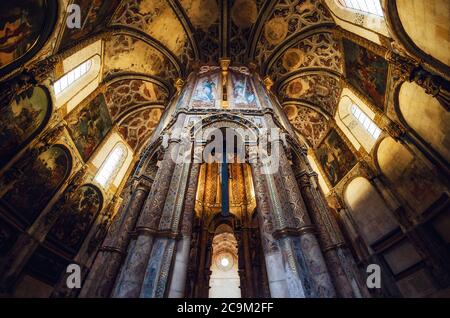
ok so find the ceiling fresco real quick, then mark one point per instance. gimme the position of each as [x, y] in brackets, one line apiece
[316, 89]
[288, 20]
[157, 19]
[290, 40]
[126, 95]
[124, 53]
[308, 122]
[137, 127]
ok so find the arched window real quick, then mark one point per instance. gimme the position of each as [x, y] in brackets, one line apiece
[365, 121]
[112, 165]
[81, 76]
[355, 119]
[72, 77]
[368, 6]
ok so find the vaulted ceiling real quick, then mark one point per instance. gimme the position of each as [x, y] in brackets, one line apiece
[158, 41]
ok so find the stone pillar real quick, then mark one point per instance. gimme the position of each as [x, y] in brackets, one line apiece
[129, 282]
[327, 231]
[105, 268]
[307, 246]
[178, 279]
[156, 279]
[276, 277]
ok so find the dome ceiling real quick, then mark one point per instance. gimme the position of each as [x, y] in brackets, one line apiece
[158, 41]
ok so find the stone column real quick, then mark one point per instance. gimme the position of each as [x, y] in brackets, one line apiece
[156, 279]
[129, 282]
[276, 277]
[178, 279]
[105, 268]
[327, 231]
[308, 249]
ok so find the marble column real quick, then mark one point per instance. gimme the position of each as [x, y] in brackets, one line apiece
[179, 272]
[327, 231]
[105, 268]
[129, 282]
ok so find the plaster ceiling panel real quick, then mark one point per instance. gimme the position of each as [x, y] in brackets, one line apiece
[288, 19]
[318, 89]
[317, 51]
[204, 16]
[124, 95]
[137, 128]
[157, 19]
[124, 53]
[309, 123]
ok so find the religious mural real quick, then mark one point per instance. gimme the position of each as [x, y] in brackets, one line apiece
[21, 23]
[24, 116]
[89, 125]
[206, 91]
[47, 170]
[77, 213]
[46, 265]
[243, 95]
[335, 157]
[94, 14]
[366, 71]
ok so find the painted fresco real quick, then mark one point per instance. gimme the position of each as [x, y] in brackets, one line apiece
[157, 19]
[137, 128]
[37, 177]
[366, 71]
[77, 213]
[242, 90]
[94, 15]
[21, 23]
[124, 53]
[46, 265]
[24, 116]
[89, 125]
[335, 157]
[206, 92]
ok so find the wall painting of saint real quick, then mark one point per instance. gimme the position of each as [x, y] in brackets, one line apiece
[335, 157]
[89, 125]
[24, 27]
[366, 71]
[32, 182]
[206, 91]
[242, 90]
[22, 119]
[77, 213]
